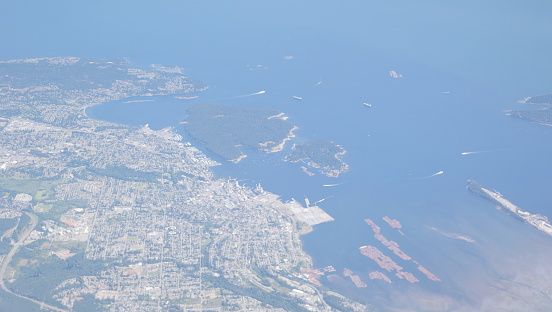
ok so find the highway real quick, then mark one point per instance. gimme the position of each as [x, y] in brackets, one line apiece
[7, 259]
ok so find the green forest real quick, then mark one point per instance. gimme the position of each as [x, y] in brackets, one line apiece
[223, 128]
[540, 99]
[123, 172]
[38, 281]
[276, 300]
[83, 74]
[321, 153]
[542, 115]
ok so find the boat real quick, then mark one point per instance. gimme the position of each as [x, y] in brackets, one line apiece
[367, 104]
[297, 97]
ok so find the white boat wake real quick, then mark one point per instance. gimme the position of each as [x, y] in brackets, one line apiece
[469, 153]
[486, 151]
[435, 174]
[323, 199]
[239, 96]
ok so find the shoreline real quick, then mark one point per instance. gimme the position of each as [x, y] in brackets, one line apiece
[538, 221]
[85, 106]
[527, 100]
[237, 160]
[295, 211]
[302, 218]
[279, 147]
[332, 173]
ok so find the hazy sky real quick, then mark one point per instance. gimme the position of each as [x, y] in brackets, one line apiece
[497, 41]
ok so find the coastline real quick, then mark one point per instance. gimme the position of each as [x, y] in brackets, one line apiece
[85, 106]
[527, 100]
[538, 221]
[303, 218]
[265, 148]
[279, 147]
[237, 160]
[345, 165]
[332, 173]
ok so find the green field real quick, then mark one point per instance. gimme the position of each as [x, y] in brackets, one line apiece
[40, 189]
[62, 206]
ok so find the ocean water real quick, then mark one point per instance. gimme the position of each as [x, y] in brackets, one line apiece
[463, 65]
[411, 132]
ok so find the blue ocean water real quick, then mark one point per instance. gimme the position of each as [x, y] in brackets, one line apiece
[463, 64]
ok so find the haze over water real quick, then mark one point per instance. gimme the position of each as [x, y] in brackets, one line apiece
[487, 55]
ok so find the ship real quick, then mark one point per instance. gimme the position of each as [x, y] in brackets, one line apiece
[367, 104]
[297, 98]
[394, 74]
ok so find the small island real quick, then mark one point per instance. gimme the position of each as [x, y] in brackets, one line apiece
[545, 99]
[322, 155]
[223, 129]
[541, 116]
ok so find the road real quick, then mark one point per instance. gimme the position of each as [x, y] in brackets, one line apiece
[7, 259]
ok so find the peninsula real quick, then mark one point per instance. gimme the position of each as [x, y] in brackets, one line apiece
[538, 221]
[545, 99]
[540, 116]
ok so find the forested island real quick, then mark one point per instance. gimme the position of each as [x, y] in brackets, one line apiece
[223, 129]
[543, 116]
[545, 99]
[322, 155]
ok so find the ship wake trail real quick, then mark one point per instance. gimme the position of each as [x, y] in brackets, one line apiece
[477, 152]
[453, 235]
[487, 151]
[431, 176]
[323, 199]
[333, 184]
[239, 96]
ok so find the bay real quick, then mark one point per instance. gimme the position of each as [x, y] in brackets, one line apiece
[417, 126]
[486, 55]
